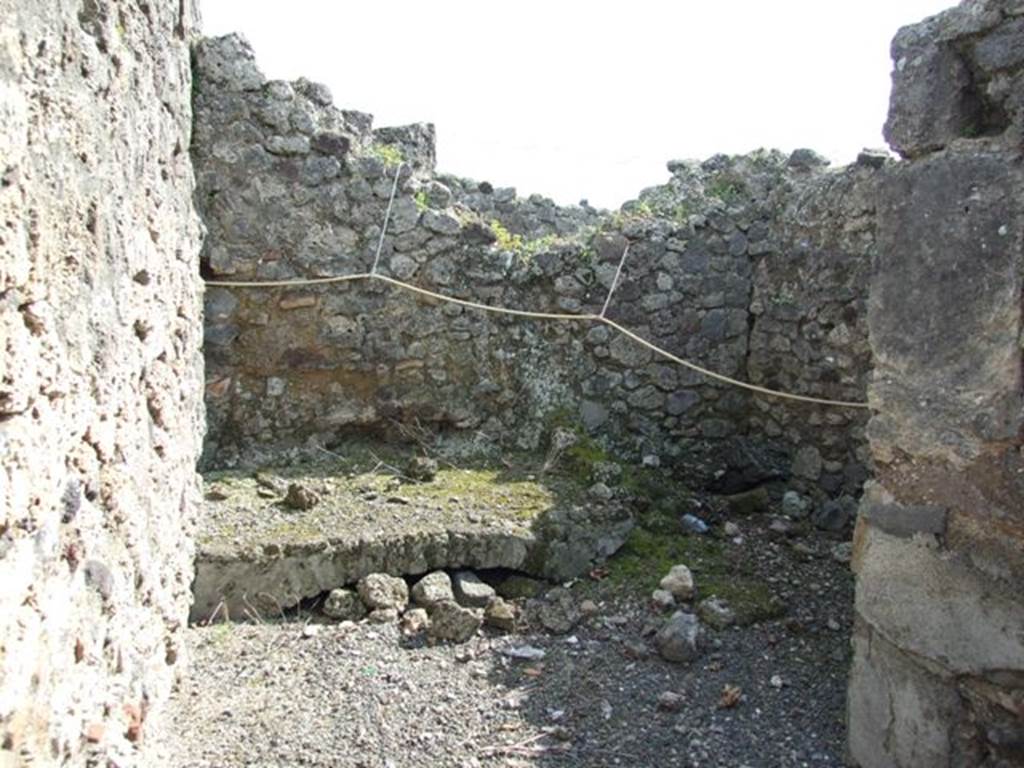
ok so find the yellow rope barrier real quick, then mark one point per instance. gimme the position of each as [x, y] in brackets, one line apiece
[568, 317]
[580, 317]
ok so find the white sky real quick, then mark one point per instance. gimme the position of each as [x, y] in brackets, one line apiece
[588, 99]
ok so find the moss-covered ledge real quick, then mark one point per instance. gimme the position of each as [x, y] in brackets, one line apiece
[258, 555]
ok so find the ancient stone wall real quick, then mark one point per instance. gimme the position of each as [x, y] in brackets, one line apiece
[755, 267]
[938, 675]
[100, 372]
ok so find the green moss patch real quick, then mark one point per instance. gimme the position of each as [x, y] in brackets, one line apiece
[363, 487]
[648, 555]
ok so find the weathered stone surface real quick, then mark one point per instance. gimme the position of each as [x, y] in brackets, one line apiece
[557, 612]
[679, 583]
[383, 615]
[899, 713]
[250, 551]
[716, 613]
[500, 614]
[382, 591]
[414, 621]
[807, 463]
[835, 514]
[470, 591]
[451, 622]
[953, 78]
[931, 102]
[952, 251]
[518, 586]
[422, 468]
[698, 281]
[663, 600]
[681, 638]
[100, 373]
[344, 605]
[939, 545]
[300, 497]
[748, 503]
[931, 603]
[794, 505]
[905, 520]
[432, 588]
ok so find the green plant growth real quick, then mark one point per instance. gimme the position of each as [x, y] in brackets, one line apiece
[683, 212]
[631, 211]
[506, 241]
[388, 154]
[727, 189]
[643, 210]
[539, 244]
[657, 543]
[420, 198]
[648, 555]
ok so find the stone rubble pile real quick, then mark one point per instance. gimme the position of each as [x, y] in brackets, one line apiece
[453, 607]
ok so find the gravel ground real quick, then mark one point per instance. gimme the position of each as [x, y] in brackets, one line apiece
[304, 693]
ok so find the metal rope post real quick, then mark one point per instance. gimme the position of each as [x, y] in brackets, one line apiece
[387, 218]
[615, 281]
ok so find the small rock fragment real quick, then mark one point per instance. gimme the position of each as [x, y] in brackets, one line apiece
[422, 468]
[794, 505]
[558, 612]
[379, 590]
[432, 589]
[731, 529]
[748, 503]
[311, 630]
[600, 491]
[731, 695]
[669, 701]
[842, 552]
[679, 582]
[716, 613]
[835, 514]
[270, 482]
[780, 526]
[518, 586]
[414, 621]
[663, 599]
[693, 524]
[470, 591]
[500, 614]
[344, 605]
[870, 157]
[300, 497]
[559, 732]
[588, 608]
[776, 681]
[450, 621]
[383, 616]
[634, 649]
[133, 731]
[524, 652]
[681, 639]
[804, 549]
